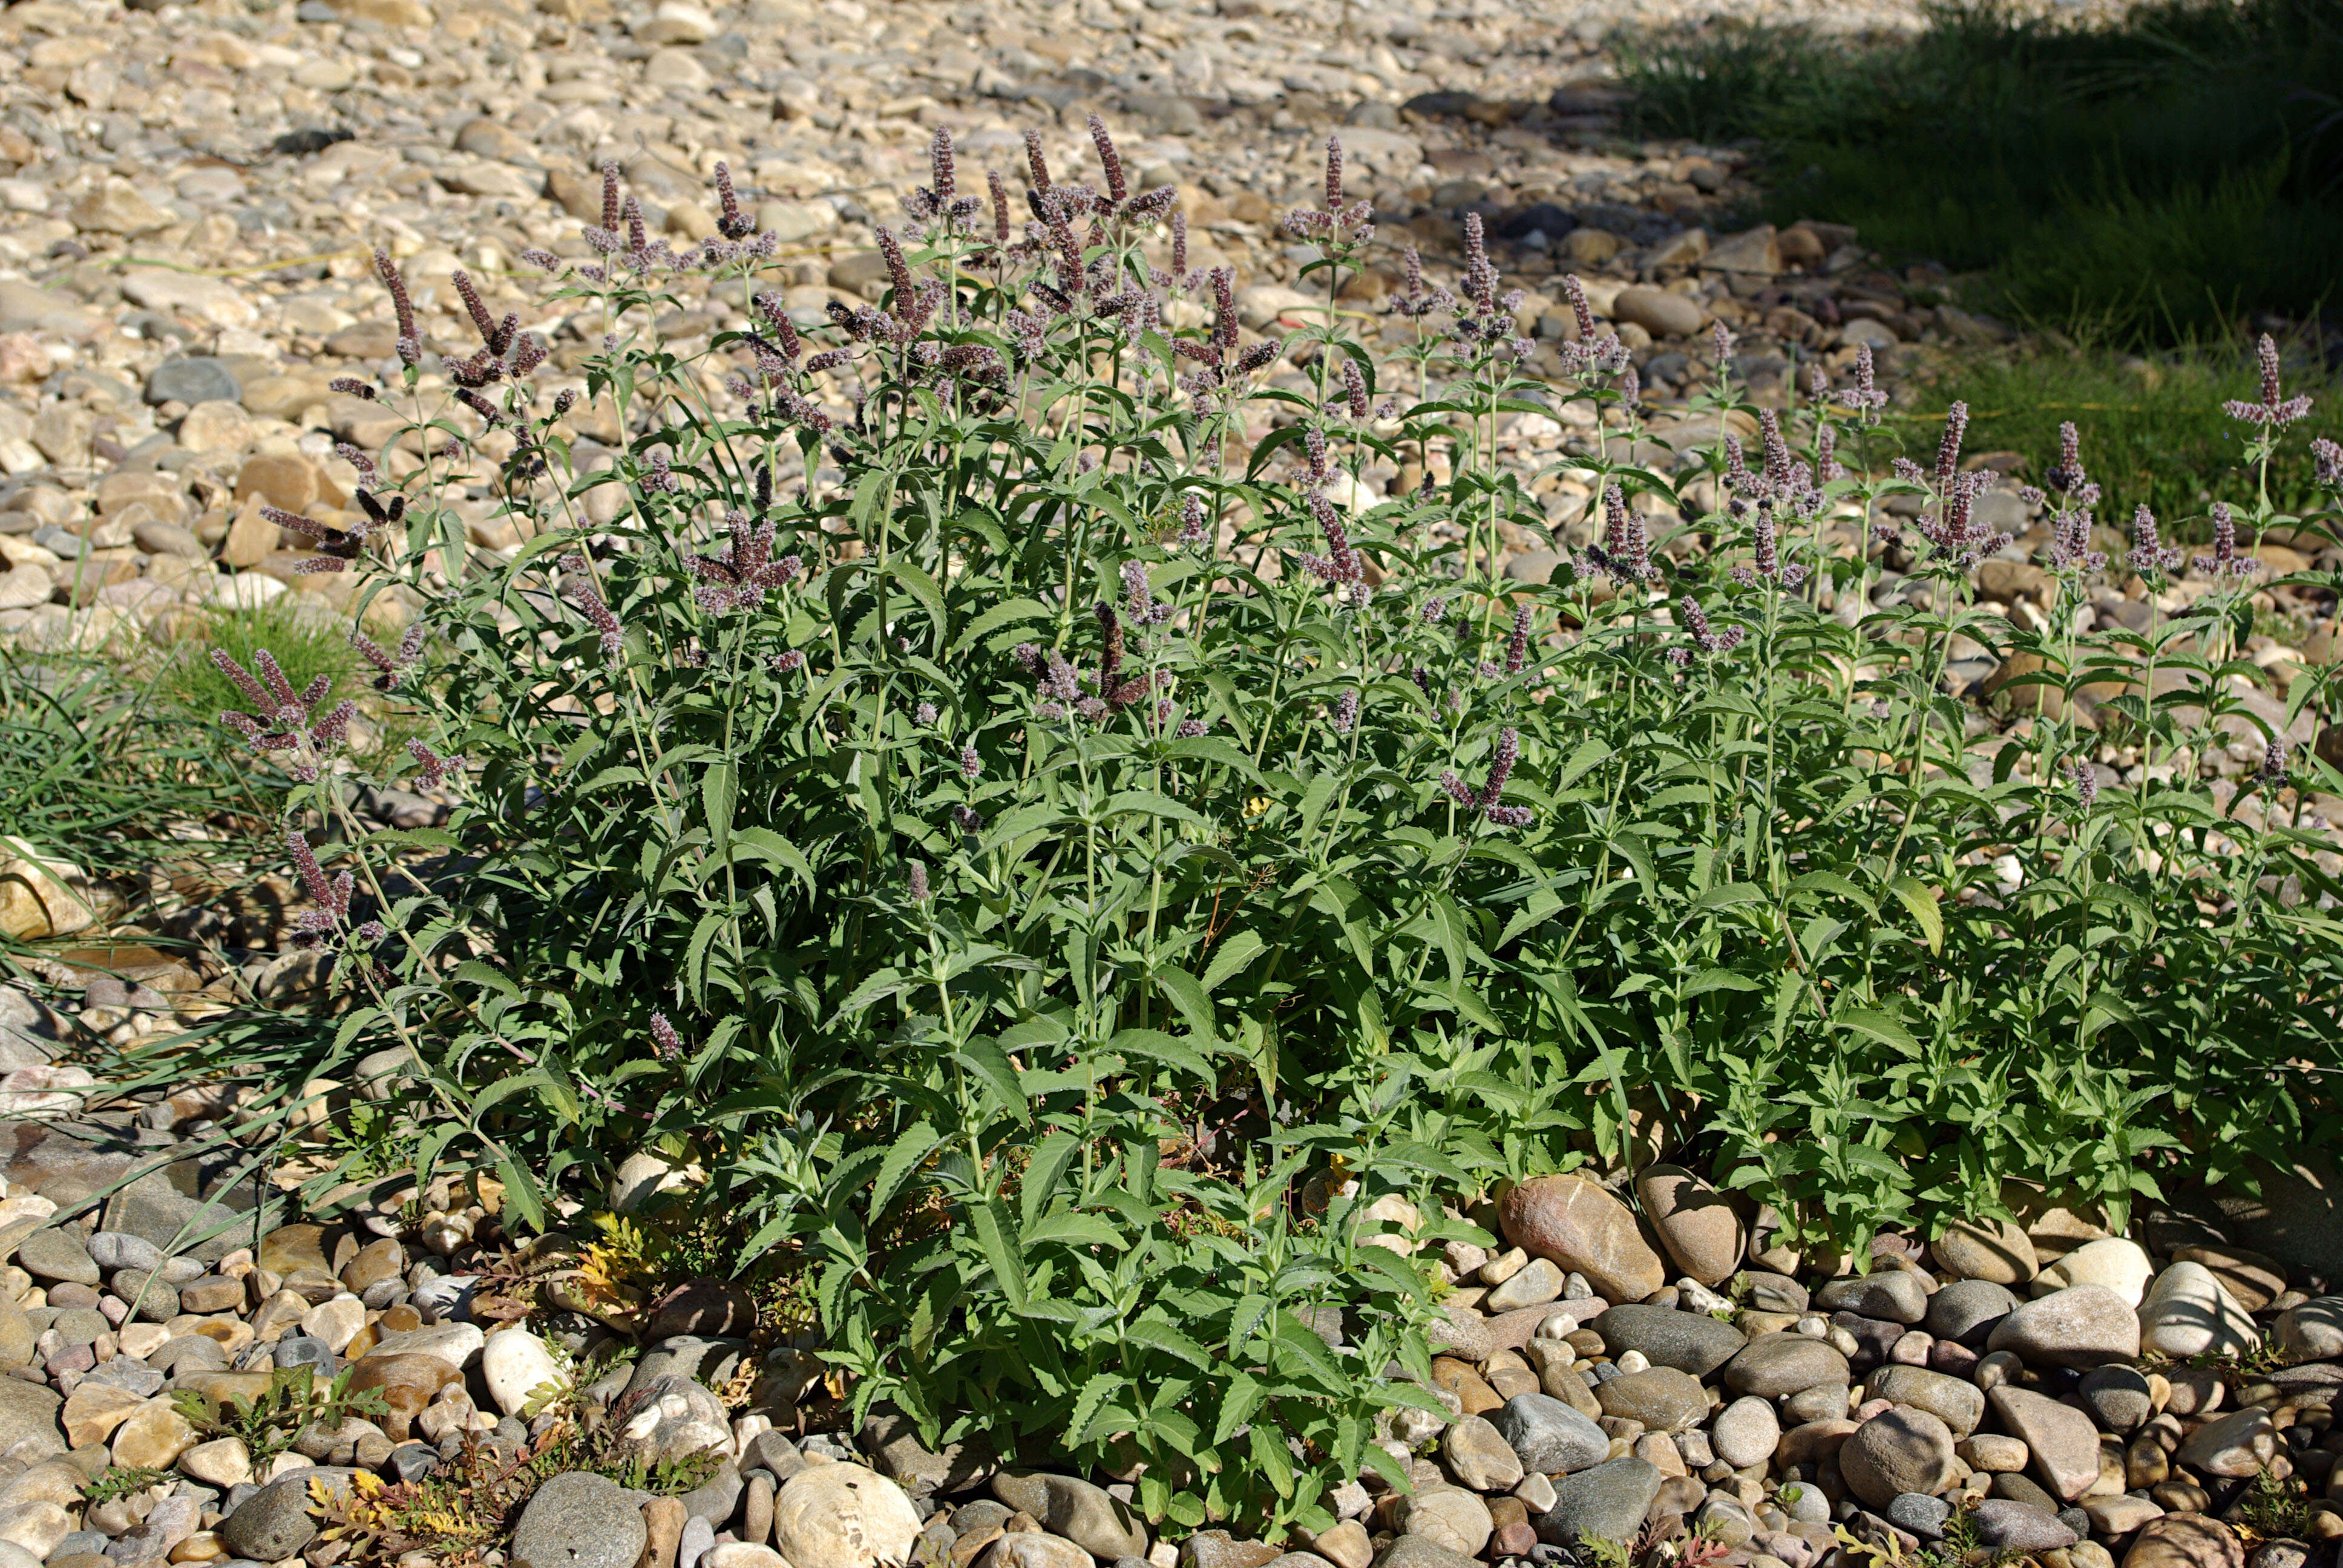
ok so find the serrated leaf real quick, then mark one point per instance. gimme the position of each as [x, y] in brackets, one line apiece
[996, 1233]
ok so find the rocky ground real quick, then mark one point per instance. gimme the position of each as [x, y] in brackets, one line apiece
[2045, 1390]
[191, 196]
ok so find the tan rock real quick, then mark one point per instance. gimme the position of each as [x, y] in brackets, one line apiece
[94, 1410]
[1702, 1229]
[1578, 1225]
[1993, 1250]
[2061, 1440]
[154, 1437]
[40, 893]
[251, 537]
[113, 206]
[2184, 1540]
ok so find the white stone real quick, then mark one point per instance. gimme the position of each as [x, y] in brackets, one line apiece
[741, 1554]
[224, 1461]
[675, 22]
[209, 299]
[39, 893]
[458, 1345]
[335, 1320]
[843, 1516]
[23, 587]
[2122, 1266]
[2187, 1313]
[515, 1364]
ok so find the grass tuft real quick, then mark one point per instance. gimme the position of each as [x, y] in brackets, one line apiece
[2155, 178]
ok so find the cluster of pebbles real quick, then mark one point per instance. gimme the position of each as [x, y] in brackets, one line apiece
[2047, 1390]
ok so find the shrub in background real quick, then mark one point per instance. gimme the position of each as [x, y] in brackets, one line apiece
[1097, 894]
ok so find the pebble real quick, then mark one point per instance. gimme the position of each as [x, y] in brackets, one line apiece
[2082, 1326]
[2185, 1312]
[579, 1520]
[1084, 1514]
[2184, 1540]
[1691, 1343]
[1607, 1501]
[1549, 1435]
[2002, 1525]
[1701, 1229]
[2061, 1440]
[1995, 1252]
[1773, 1365]
[2119, 1265]
[1903, 1449]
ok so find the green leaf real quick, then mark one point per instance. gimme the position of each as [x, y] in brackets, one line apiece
[984, 1057]
[1162, 1336]
[1194, 1003]
[764, 844]
[1157, 1046]
[903, 1157]
[1088, 1403]
[719, 789]
[1052, 1157]
[1879, 1026]
[1236, 949]
[920, 585]
[996, 1232]
[1916, 896]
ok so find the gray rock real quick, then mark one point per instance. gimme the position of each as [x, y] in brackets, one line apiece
[1922, 1516]
[1770, 1293]
[307, 1350]
[2119, 1398]
[120, 1250]
[132, 1376]
[154, 1210]
[2014, 1487]
[671, 1417]
[708, 1361]
[56, 1255]
[29, 1412]
[1967, 1311]
[199, 379]
[715, 1498]
[1420, 1551]
[186, 1353]
[1904, 1450]
[983, 1514]
[1773, 1365]
[1691, 1343]
[773, 1453]
[1889, 1294]
[1549, 1436]
[1956, 1401]
[2081, 1326]
[1608, 1501]
[2315, 1328]
[273, 1522]
[1663, 1399]
[1101, 1524]
[579, 1520]
[2002, 1525]
[893, 1444]
[1747, 1432]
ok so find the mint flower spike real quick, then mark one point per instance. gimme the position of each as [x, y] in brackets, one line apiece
[2274, 412]
[2225, 561]
[1484, 799]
